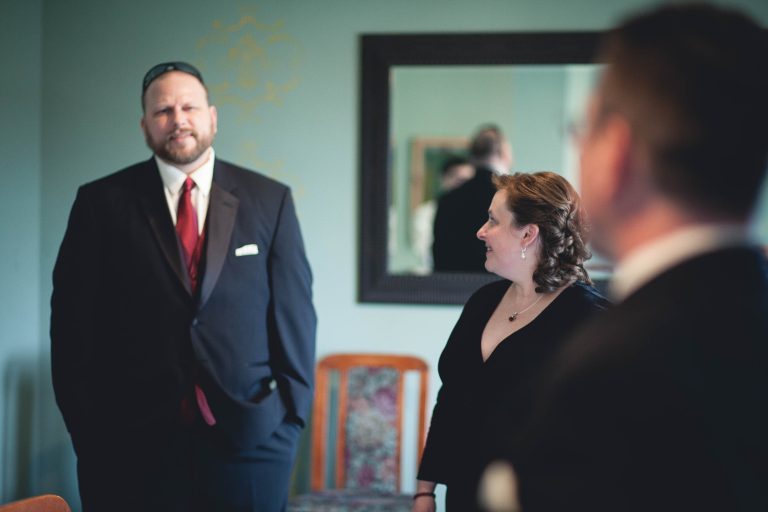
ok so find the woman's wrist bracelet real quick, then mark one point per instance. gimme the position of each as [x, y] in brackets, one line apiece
[420, 494]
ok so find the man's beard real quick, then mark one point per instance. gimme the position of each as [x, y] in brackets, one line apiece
[179, 156]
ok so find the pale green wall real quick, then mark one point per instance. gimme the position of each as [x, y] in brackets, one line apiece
[69, 87]
[21, 339]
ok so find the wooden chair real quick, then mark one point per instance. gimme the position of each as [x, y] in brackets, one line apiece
[358, 410]
[44, 503]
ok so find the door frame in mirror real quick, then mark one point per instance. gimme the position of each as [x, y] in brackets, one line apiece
[379, 53]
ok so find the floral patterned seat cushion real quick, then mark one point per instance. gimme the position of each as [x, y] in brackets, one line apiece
[347, 500]
[371, 453]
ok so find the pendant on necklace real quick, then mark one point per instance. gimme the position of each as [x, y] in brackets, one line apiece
[513, 317]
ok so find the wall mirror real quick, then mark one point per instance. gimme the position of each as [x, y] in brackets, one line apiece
[422, 97]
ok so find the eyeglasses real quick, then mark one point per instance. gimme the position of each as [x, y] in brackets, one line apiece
[579, 129]
[576, 130]
[166, 67]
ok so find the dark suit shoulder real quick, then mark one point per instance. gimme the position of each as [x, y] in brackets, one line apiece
[123, 178]
[736, 270]
[479, 188]
[240, 176]
[690, 309]
[115, 192]
[223, 171]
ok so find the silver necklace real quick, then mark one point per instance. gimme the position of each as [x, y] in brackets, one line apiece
[516, 313]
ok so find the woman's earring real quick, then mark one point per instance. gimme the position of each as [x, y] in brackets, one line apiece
[522, 252]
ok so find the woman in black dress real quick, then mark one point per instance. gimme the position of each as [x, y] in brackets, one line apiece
[507, 333]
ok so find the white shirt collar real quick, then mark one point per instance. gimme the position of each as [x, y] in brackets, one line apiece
[495, 168]
[650, 260]
[173, 178]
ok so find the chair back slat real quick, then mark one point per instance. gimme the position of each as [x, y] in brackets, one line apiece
[399, 432]
[422, 413]
[341, 431]
[320, 420]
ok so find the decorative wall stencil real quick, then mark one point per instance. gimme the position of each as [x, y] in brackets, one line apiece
[252, 66]
[251, 62]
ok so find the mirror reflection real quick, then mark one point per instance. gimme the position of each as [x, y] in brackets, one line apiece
[516, 116]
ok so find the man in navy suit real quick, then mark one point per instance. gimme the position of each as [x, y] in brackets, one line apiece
[182, 326]
[660, 403]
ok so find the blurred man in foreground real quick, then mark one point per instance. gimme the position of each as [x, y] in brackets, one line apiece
[660, 404]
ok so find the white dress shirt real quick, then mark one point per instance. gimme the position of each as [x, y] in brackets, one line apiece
[650, 260]
[173, 181]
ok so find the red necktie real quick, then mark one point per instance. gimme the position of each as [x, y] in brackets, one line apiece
[191, 242]
[186, 227]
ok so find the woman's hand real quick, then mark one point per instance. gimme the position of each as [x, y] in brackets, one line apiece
[424, 504]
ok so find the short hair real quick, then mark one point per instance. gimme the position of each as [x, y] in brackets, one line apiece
[692, 82]
[159, 70]
[547, 200]
[451, 162]
[486, 142]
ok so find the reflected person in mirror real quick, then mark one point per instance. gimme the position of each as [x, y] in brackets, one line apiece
[460, 211]
[455, 171]
[534, 239]
[660, 404]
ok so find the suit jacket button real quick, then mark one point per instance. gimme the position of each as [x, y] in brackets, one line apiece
[194, 322]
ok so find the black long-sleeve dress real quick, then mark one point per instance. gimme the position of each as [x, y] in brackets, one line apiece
[483, 405]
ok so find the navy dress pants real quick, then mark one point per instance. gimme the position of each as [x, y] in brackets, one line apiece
[192, 468]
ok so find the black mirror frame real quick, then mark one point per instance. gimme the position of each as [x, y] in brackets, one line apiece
[378, 54]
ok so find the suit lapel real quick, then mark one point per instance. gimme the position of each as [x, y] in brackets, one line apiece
[222, 211]
[155, 207]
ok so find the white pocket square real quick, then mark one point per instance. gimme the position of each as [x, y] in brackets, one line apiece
[247, 250]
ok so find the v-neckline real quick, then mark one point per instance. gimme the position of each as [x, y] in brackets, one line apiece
[534, 320]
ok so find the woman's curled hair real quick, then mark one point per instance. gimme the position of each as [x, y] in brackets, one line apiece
[549, 201]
